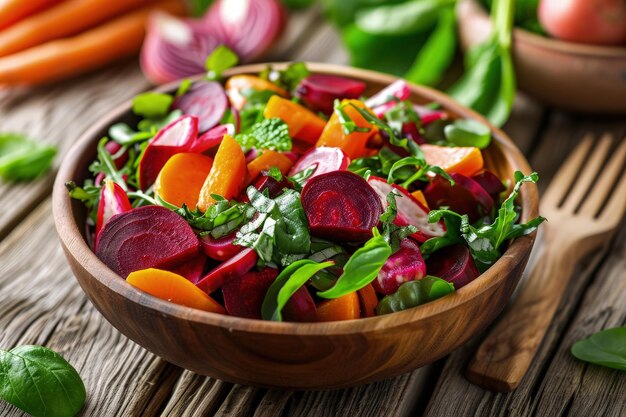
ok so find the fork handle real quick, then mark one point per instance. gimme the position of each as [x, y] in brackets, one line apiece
[506, 353]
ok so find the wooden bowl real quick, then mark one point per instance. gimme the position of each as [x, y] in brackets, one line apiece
[293, 355]
[567, 75]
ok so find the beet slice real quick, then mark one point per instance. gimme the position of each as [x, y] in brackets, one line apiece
[211, 138]
[174, 138]
[146, 237]
[491, 183]
[234, 267]
[454, 264]
[324, 159]
[300, 307]
[465, 197]
[243, 295]
[341, 206]
[113, 200]
[192, 269]
[207, 101]
[220, 249]
[410, 210]
[273, 187]
[406, 264]
[319, 91]
[398, 90]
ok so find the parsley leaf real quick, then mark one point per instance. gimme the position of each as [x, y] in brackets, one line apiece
[22, 159]
[220, 219]
[267, 134]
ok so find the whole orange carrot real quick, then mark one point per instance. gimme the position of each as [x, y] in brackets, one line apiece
[95, 48]
[12, 11]
[66, 19]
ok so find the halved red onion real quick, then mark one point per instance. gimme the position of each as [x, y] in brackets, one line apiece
[324, 159]
[212, 138]
[207, 101]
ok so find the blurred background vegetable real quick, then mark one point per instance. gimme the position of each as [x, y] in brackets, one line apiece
[23, 159]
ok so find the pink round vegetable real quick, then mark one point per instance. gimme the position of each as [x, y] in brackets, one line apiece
[212, 138]
[174, 138]
[429, 116]
[207, 101]
[319, 91]
[398, 90]
[146, 237]
[406, 264]
[324, 159]
[410, 210]
[490, 182]
[454, 264]
[113, 148]
[465, 197]
[341, 206]
[193, 269]
[234, 267]
[113, 200]
[220, 249]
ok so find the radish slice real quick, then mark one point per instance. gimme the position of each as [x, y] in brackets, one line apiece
[324, 159]
[113, 200]
[432, 116]
[398, 90]
[212, 138]
[320, 91]
[113, 148]
[410, 210]
[175, 48]
[207, 101]
[234, 267]
[465, 197]
[174, 138]
[406, 264]
[220, 249]
[249, 27]
[454, 264]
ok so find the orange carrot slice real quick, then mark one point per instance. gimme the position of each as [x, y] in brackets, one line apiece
[174, 288]
[369, 301]
[303, 123]
[182, 178]
[267, 160]
[355, 144]
[342, 308]
[238, 83]
[228, 174]
[462, 160]
[419, 196]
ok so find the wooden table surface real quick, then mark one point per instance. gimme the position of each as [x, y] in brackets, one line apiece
[41, 303]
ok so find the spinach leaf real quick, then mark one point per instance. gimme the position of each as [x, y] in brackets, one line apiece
[401, 19]
[221, 59]
[290, 280]
[152, 105]
[362, 267]
[467, 132]
[605, 348]
[40, 382]
[267, 134]
[220, 219]
[125, 135]
[414, 293]
[22, 159]
[451, 237]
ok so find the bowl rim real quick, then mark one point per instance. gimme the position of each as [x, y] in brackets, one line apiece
[76, 247]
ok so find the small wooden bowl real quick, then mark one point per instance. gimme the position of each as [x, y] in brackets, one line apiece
[293, 355]
[571, 76]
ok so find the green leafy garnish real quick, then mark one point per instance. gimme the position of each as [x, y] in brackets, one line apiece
[451, 237]
[401, 19]
[362, 267]
[419, 171]
[299, 179]
[414, 293]
[221, 59]
[152, 105]
[400, 114]
[393, 233]
[89, 194]
[105, 164]
[267, 134]
[289, 78]
[605, 348]
[220, 219]
[22, 159]
[40, 382]
[467, 132]
[290, 280]
[125, 135]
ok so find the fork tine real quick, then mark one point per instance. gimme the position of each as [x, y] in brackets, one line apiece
[600, 190]
[561, 182]
[587, 172]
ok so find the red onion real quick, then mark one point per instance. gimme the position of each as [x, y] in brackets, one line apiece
[207, 101]
[319, 91]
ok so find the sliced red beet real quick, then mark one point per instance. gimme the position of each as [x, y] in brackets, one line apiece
[273, 187]
[411, 131]
[211, 138]
[234, 267]
[454, 264]
[207, 101]
[341, 206]
[113, 148]
[398, 90]
[490, 182]
[410, 210]
[324, 159]
[113, 200]
[300, 307]
[319, 91]
[465, 197]
[406, 264]
[174, 138]
[146, 237]
[220, 249]
[192, 269]
[244, 295]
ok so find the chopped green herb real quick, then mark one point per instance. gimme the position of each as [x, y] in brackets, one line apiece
[23, 159]
[414, 293]
[393, 233]
[221, 59]
[220, 219]
[267, 134]
[152, 105]
[289, 78]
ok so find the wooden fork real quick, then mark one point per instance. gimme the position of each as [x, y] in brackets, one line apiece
[583, 212]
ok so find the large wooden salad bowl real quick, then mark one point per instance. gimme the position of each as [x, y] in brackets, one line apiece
[290, 355]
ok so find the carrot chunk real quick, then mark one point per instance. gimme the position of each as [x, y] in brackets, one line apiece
[342, 308]
[369, 301]
[462, 160]
[303, 123]
[182, 178]
[174, 288]
[267, 160]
